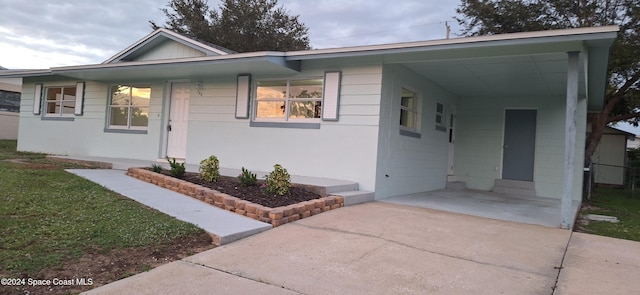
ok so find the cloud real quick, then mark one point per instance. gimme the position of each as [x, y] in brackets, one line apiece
[45, 33]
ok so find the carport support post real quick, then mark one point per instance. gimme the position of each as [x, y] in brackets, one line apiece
[566, 215]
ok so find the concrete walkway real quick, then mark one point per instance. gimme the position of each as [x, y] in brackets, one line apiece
[226, 226]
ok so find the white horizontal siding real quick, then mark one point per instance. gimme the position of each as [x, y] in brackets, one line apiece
[85, 136]
[406, 164]
[479, 138]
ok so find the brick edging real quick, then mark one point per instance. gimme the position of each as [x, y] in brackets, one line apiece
[275, 216]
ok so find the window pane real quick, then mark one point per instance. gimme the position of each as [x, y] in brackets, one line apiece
[409, 99]
[120, 95]
[140, 117]
[54, 93]
[68, 107]
[53, 107]
[440, 108]
[69, 93]
[439, 119]
[408, 119]
[305, 109]
[306, 89]
[270, 109]
[140, 96]
[119, 116]
[271, 89]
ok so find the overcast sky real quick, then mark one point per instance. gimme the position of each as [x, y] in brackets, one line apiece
[50, 33]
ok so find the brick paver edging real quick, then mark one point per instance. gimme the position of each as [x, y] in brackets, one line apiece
[275, 216]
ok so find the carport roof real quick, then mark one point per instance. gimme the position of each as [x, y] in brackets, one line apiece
[516, 64]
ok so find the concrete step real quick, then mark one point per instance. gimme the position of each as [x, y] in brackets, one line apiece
[515, 184]
[355, 197]
[524, 192]
[456, 185]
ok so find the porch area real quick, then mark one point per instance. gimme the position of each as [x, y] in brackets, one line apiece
[529, 210]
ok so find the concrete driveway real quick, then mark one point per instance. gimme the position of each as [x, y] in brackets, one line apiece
[376, 248]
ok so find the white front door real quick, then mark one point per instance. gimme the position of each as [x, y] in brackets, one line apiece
[452, 139]
[178, 120]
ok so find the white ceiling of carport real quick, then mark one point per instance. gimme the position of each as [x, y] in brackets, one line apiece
[516, 76]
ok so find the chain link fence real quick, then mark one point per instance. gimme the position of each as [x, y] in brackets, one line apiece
[611, 176]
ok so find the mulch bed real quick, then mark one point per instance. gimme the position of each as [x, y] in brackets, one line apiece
[253, 194]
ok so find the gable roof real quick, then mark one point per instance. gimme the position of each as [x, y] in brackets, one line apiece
[510, 65]
[161, 35]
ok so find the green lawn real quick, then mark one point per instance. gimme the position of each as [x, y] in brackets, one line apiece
[49, 216]
[618, 203]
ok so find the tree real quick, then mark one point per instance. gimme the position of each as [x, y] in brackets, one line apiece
[239, 25]
[622, 98]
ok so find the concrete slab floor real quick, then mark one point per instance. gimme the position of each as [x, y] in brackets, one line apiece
[530, 210]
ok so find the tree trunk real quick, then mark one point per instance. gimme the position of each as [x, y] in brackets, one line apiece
[598, 122]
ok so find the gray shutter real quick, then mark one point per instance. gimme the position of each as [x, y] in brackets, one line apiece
[79, 98]
[331, 93]
[243, 97]
[37, 99]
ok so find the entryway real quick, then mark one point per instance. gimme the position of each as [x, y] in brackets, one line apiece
[519, 144]
[178, 120]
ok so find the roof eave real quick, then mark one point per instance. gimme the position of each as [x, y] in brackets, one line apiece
[551, 36]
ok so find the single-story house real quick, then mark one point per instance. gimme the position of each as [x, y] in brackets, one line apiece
[396, 118]
[10, 89]
[634, 143]
[610, 157]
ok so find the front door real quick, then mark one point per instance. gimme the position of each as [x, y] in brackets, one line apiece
[178, 120]
[519, 144]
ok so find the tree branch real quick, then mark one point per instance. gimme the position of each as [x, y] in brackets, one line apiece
[623, 117]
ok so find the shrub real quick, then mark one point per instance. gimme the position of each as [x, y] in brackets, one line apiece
[156, 168]
[247, 178]
[177, 169]
[278, 181]
[210, 169]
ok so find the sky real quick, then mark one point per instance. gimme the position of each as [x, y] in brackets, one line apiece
[36, 34]
[40, 34]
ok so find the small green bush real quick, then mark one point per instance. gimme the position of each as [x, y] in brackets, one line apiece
[278, 181]
[156, 168]
[247, 178]
[177, 169]
[210, 169]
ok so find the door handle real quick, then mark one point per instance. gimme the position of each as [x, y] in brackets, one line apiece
[168, 127]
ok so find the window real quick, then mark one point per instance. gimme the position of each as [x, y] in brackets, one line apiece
[60, 101]
[409, 110]
[440, 116]
[129, 107]
[288, 100]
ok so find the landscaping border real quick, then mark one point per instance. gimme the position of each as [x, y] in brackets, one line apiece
[274, 216]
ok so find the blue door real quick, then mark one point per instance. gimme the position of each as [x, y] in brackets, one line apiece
[519, 144]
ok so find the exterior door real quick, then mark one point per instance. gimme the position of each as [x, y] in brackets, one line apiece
[452, 140]
[178, 120]
[519, 144]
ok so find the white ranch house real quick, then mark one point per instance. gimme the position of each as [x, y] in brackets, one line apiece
[396, 118]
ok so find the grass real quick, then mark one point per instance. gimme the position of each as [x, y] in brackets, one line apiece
[618, 203]
[49, 216]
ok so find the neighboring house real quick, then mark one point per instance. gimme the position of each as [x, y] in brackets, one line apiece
[610, 157]
[10, 89]
[634, 143]
[396, 118]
